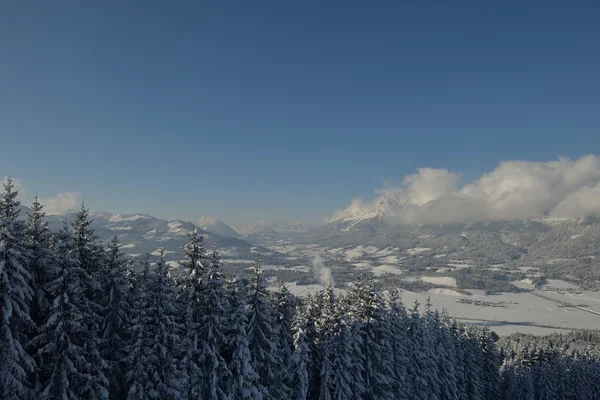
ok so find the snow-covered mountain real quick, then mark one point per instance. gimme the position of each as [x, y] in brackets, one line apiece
[214, 225]
[273, 228]
[141, 234]
[359, 218]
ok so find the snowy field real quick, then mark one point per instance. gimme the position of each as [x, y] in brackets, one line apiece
[511, 312]
[549, 308]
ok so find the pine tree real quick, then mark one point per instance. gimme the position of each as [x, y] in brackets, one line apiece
[243, 379]
[115, 316]
[90, 252]
[417, 367]
[140, 385]
[370, 310]
[154, 372]
[212, 330]
[191, 303]
[69, 369]
[491, 364]
[92, 260]
[398, 318]
[16, 295]
[346, 366]
[40, 265]
[260, 332]
[38, 237]
[301, 358]
[327, 326]
[284, 305]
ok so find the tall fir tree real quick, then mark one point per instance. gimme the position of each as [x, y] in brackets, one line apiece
[115, 316]
[41, 264]
[140, 385]
[69, 369]
[190, 292]
[242, 382]
[16, 296]
[38, 237]
[154, 369]
[212, 330]
[260, 332]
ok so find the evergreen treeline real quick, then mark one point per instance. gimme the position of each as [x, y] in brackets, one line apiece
[79, 320]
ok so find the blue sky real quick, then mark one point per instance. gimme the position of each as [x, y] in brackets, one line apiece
[270, 109]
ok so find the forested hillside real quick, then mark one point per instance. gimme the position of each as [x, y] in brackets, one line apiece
[79, 320]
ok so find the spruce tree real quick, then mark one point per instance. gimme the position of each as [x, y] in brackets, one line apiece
[260, 332]
[38, 237]
[16, 296]
[301, 358]
[140, 385]
[242, 382]
[212, 330]
[70, 368]
[154, 371]
[116, 314]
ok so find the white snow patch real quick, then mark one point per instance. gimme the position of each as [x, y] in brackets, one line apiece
[559, 284]
[389, 269]
[121, 218]
[447, 292]
[355, 252]
[440, 280]
[120, 228]
[389, 260]
[418, 250]
[128, 246]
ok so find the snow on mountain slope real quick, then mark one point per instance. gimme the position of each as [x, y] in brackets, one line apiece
[217, 226]
[140, 234]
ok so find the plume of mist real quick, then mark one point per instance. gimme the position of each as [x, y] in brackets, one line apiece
[322, 273]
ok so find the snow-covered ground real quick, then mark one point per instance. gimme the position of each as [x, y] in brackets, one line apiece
[440, 280]
[511, 312]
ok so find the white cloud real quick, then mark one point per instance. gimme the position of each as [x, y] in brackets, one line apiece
[513, 190]
[17, 186]
[62, 203]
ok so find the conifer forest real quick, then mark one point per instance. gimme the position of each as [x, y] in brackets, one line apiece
[80, 320]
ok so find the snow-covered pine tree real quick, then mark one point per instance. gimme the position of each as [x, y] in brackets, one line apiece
[347, 362]
[92, 260]
[153, 367]
[242, 383]
[301, 358]
[16, 295]
[260, 332]
[190, 303]
[38, 237]
[116, 315]
[473, 360]
[165, 330]
[417, 367]
[284, 304]
[327, 325]
[398, 320]
[90, 252]
[140, 385]
[370, 310]
[456, 331]
[69, 369]
[212, 330]
[491, 364]
[40, 264]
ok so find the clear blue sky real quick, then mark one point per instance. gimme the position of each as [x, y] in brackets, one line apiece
[271, 109]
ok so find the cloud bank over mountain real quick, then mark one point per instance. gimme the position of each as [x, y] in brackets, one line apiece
[563, 188]
[60, 204]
